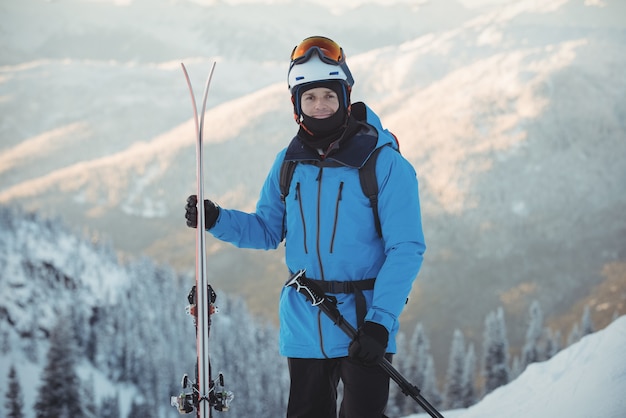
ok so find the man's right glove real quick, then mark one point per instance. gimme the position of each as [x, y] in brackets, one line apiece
[211, 212]
[370, 344]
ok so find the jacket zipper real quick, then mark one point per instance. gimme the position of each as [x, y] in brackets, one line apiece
[299, 199]
[319, 221]
[319, 327]
[332, 240]
[319, 258]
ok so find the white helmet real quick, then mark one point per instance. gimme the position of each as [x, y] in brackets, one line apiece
[318, 58]
[317, 70]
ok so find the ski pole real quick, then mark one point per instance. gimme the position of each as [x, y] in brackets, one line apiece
[328, 305]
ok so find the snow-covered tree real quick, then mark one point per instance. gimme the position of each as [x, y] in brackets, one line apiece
[110, 407]
[531, 350]
[430, 389]
[456, 372]
[89, 399]
[415, 365]
[5, 341]
[14, 400]
[139, 409]
[552, 342]
[60, 385]
[586, 323]
[397, 400]
[495, 352]
[516, 368]
[468, 392]
[574, 335]
[419, 346]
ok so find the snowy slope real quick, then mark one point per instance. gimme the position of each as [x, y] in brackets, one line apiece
[587, 380]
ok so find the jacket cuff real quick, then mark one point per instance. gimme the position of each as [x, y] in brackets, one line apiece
[381, 317]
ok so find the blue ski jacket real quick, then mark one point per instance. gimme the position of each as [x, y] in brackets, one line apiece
[328, 227]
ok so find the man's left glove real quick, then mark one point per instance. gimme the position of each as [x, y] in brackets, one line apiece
[211, 212]
[370, 344]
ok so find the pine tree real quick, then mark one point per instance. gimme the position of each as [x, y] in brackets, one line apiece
[88, 395]
[139, 409]
[416, 364]
[586, 323]
[420, 347]
[14, 398]
[516, 368]
[430, 390]
[531, 352]
[552, 342]
[495, 352]
[110, 407]
[455, 373]
[397, 400]
[468, 392]
[5, 341]
[574, 335]
[60, 386]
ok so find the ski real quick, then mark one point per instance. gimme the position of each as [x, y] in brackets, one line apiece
[204, 393]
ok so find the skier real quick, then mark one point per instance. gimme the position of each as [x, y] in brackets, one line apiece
[368, 262]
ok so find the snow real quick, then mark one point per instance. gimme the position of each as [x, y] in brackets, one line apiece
[586, 380]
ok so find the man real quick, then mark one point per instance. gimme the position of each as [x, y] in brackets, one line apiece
[364, 252]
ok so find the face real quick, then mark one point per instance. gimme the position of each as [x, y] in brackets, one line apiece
[319, 103]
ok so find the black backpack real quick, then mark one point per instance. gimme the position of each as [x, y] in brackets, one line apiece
[367, 176]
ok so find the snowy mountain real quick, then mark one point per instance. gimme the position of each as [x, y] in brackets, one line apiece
[513, 114]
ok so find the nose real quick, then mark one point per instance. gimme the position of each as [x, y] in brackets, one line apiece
[320, 103]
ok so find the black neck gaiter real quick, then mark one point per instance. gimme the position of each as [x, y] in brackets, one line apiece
[320, 133]
[332, 140]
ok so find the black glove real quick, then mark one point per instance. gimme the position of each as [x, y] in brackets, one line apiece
[211, 212]
[370, 343]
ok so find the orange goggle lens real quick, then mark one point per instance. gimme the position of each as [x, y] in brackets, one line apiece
[329, 48]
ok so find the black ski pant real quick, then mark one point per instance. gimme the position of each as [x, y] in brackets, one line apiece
[313, 390]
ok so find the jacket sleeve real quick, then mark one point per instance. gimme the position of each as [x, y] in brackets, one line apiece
[259, 230]
[400, 217]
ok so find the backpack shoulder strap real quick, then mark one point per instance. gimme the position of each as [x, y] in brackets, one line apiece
[369, 184]
[284, 179]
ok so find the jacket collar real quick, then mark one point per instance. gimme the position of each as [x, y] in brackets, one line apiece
[351, 152]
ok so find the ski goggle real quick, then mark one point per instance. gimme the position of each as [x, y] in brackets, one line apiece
[328, 51]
